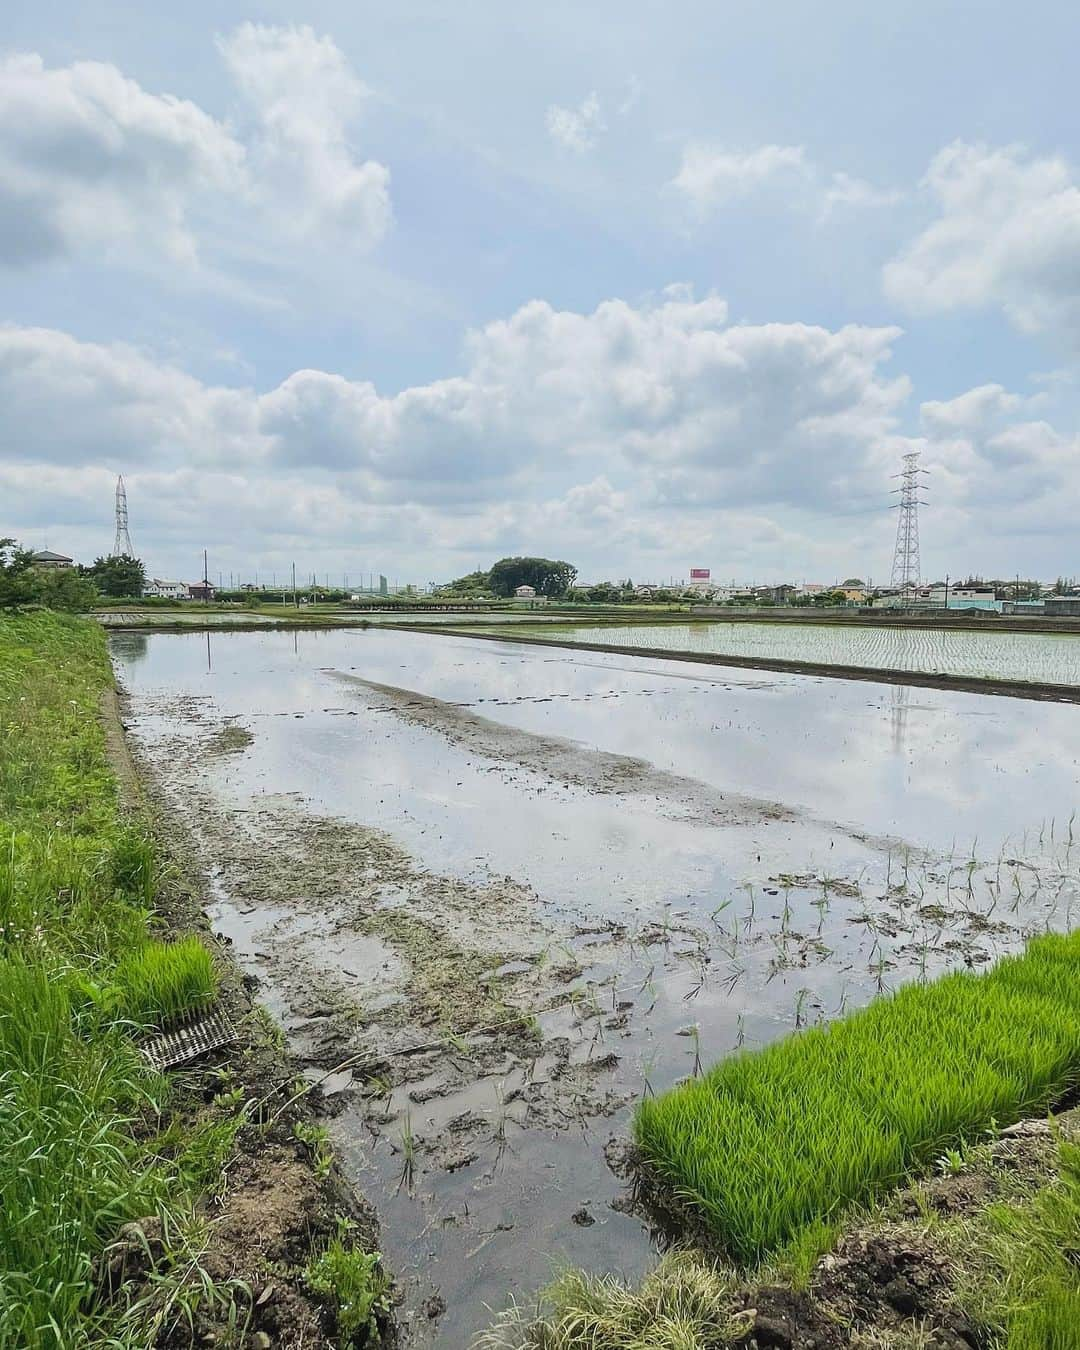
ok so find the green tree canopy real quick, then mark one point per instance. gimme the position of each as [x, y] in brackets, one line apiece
[21, 583]
[547, 577]
[118, 575]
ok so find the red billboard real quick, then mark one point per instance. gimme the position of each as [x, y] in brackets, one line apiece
[699, 574]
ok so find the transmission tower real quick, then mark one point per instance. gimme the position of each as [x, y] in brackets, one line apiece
[905, 566]
[122, 546]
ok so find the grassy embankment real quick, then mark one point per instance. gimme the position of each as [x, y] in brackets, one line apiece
[90, 1136]
[79, 974]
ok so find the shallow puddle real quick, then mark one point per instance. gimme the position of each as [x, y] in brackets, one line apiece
[499, 893]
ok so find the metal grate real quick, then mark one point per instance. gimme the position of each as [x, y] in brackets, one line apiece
[198, 1036]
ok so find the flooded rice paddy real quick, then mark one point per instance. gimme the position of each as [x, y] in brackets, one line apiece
[512, 889]
[1038, 658]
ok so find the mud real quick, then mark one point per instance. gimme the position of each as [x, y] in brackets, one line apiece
[570, 763]
[238, 1278]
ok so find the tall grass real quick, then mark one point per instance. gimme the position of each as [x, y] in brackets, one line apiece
[78, 968]
[771, 1142]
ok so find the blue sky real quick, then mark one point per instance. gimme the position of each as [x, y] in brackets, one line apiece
[408, 287]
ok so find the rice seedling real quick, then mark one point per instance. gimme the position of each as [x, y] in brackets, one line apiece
[164, 981]
[771, 1141]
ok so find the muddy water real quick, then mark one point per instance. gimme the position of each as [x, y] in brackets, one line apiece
[1038, 658]
[512, 889]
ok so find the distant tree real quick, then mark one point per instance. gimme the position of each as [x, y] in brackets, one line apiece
[16, 575]
[63, 588]
[21, 583]
[546, 576]
[473, 584]
[604, 593]
[118, 575]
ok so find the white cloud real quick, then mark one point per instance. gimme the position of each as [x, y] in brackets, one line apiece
[304, 97]
[91, 162]
[844, 191]
[622, 437]
[577, 128]
[667, 396]
[710, 178]
[990, 459]
[88, 159]
[1007, 234]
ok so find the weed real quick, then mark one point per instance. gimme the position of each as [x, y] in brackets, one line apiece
[318, 1141]
[354, 1283]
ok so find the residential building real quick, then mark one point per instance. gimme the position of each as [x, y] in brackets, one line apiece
[166, 590]
[200, 590]
[525, 593]
[46, 559]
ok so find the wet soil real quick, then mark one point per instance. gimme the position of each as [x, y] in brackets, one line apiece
[238, 1279]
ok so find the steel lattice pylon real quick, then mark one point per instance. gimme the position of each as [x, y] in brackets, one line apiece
[122, 545]
[905, 567]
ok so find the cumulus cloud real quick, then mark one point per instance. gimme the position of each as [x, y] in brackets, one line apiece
[89, 159]
[577, 128]
[711, 178]
[667, 394]
[646, 429]
[1007, 233]
[986, 452]
[304, 96]
[92, 162]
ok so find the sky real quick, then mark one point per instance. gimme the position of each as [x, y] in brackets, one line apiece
[404, 288]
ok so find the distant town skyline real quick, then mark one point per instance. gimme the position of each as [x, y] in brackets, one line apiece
[394, 289]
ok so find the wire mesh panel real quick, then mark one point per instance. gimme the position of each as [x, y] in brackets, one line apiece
[198, 1036]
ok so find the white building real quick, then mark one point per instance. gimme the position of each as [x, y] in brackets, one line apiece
[525, 593]
[166, 590]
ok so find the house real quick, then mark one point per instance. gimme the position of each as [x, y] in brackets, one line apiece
[200, 590]
[166, 590]
[47, 559]
[525, 593]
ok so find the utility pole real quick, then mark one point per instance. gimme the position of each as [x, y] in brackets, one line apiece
[205, 579]
[296, 602]
[946, 590]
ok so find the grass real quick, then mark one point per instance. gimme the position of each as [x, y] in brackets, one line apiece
[683, 1304]
[356, 1285]
[78, 966]
[1033, 1251]
[770, 1143]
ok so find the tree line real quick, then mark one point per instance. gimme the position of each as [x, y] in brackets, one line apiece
[24, 583]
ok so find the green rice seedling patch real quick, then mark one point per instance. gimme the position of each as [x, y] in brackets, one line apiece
[772, 1142]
